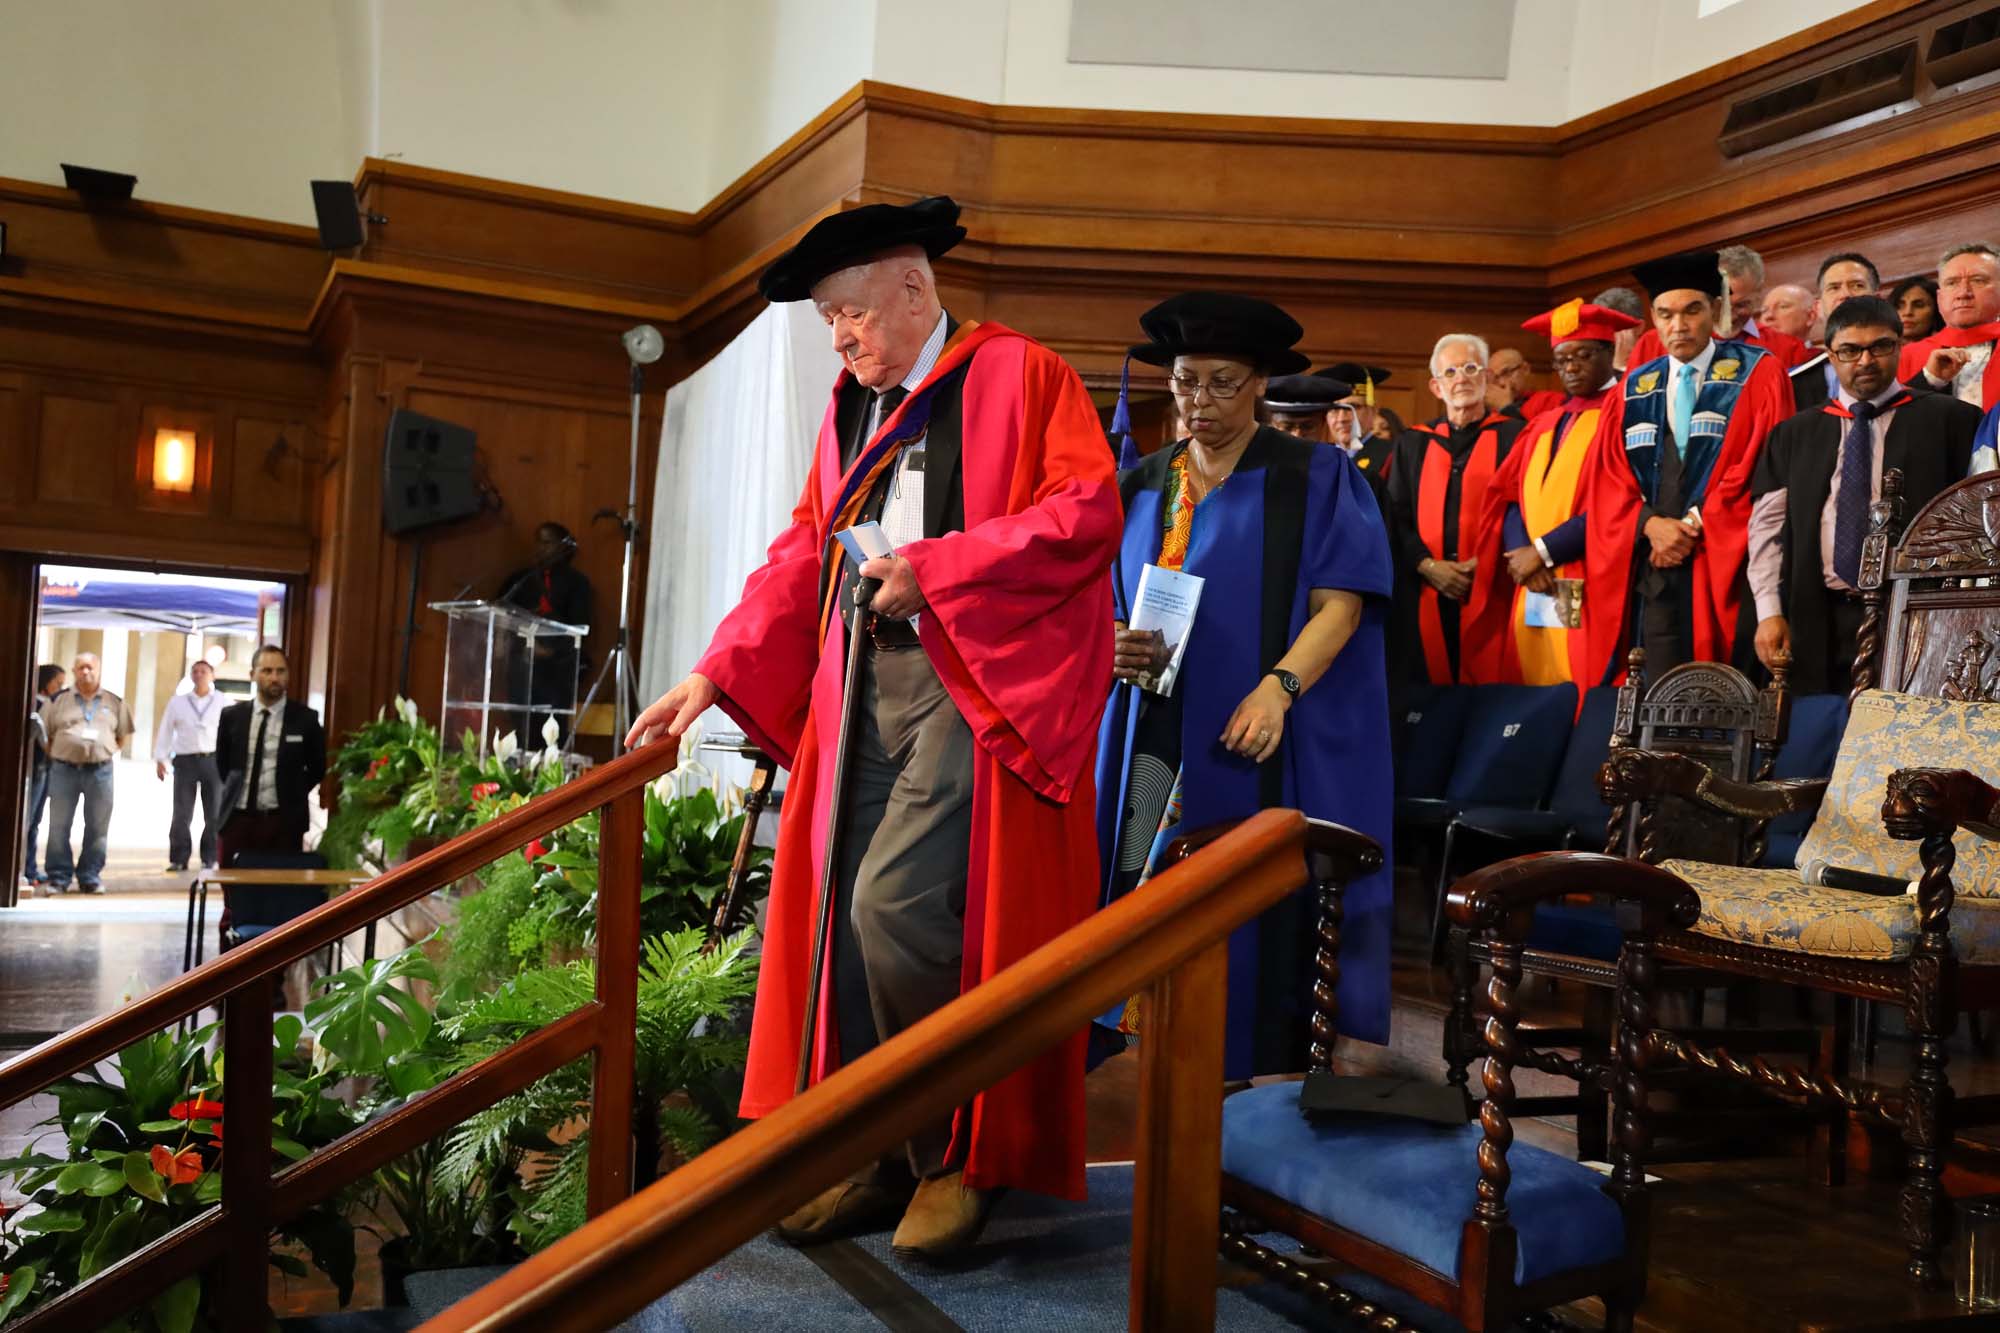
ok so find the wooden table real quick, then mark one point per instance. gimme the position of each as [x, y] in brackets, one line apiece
[197, 925]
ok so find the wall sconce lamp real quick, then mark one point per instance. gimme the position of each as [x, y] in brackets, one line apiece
[173, 461]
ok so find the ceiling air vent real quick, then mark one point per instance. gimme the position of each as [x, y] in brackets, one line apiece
[1834, 97]
[1965, 49]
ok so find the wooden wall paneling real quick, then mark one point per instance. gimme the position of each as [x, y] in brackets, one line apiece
[77, 458]
[138, 253]
[268, 470]
[16, 476]
[445, 221]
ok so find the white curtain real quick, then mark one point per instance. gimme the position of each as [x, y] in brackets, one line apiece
[735, 442]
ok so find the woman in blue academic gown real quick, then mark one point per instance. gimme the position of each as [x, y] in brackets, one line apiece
[1281, 697]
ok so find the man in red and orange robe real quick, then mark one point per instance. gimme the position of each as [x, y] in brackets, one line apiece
[1533, 531]
[969, 837]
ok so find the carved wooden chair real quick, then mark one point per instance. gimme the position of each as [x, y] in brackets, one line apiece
[1931, 640]
[1461, 1217]
[1715, 716]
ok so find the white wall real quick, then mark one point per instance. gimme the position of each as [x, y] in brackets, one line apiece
[233, 105]
[217, 104]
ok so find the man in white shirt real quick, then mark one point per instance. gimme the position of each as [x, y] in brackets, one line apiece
[186, 741]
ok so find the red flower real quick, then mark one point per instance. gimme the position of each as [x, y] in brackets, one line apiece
[482, 790]
[535, 850]
[197, 1108]
[183, 1168]
[381, 762]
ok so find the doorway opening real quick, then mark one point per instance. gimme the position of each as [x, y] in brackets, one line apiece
[146, 629]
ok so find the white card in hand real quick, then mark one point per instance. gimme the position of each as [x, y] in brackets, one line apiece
[865, 541]
[1541, 612]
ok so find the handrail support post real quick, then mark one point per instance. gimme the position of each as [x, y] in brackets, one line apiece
[614, 1070]
[1177, 1178]
[246, 1153]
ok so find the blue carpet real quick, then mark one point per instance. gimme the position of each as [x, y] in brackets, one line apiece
[1042, 1263]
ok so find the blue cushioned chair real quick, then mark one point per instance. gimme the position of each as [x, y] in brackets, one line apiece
[1461, 1217]
[1512, 743]
[1573, 815]
[1429, 720]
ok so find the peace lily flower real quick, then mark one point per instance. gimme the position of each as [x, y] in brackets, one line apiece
[504, 747]
[408, 708]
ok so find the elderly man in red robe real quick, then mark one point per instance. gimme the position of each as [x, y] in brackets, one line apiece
[967, 838]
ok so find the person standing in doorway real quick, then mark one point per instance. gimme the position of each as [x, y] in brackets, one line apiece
[269, 753]
[87, 726]
[186, 742]
[49, 682]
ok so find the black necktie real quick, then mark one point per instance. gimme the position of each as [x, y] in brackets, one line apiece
[1850, 506]
[257, 760]
[886, 405]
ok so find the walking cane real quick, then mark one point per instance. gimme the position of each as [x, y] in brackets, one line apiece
[754, 799]
[864, 593]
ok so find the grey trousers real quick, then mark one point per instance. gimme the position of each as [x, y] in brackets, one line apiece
[900, 914]
[195, 775]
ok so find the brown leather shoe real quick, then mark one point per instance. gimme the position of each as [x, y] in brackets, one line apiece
[943, 1221]
[847, 1209]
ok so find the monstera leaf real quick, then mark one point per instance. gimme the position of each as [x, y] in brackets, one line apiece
[364, 1018]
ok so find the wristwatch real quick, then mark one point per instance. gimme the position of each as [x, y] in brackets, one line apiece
[1286, 681]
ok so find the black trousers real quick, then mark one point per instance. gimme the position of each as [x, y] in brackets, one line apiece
[899, 916]
[195, 775]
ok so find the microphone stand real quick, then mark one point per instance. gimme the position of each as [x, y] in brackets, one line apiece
[618, 668]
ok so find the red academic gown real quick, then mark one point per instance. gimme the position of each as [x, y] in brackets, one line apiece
[1613, 499]
[1540, 401]
[1910, 370]
[1016, 616]
[1790, 352]
[1493, 588]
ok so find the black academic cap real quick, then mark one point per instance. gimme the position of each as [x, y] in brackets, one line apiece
[1302, 395]
[1355, 374]
[1690, 270]
[1221, 324]
[857, 235]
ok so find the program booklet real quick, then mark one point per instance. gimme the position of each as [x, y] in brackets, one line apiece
[1166, 604]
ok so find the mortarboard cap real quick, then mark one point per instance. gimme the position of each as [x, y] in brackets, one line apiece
[1579, 319]
[843, 240]
[1304, 395]
[1221, 324]
[1364, 379]
[1690, 270]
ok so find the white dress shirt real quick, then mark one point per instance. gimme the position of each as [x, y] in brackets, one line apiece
[903, 511]
[1700, 363]
[187, 725]
[265, 798]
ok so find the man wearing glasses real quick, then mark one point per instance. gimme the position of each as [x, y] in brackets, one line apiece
[1816, 478]
[1433, 503]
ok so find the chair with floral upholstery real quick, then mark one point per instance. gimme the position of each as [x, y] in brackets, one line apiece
[1894, 895]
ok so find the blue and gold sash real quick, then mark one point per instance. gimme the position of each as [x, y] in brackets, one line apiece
[1646, 417]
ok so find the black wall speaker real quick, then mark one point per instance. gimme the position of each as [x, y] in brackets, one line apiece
[338, 213]
[428, 473]
[95, 185]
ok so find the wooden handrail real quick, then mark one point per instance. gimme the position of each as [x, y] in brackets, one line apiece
[1171, 937]
[272, 952]
[243, 983]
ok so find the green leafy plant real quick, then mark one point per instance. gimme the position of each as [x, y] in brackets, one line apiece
[524, 916]
[140, 1155]
[686, 994]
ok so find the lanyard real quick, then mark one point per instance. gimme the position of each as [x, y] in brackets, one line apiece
[201, 710]
[90, 712]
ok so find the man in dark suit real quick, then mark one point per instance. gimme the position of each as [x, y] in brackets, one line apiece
[271, 753]
[1819, 473]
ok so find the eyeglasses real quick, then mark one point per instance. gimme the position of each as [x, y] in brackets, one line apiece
[1574, 360]
[1848, 353]
[1471, 370]
[1221, 388]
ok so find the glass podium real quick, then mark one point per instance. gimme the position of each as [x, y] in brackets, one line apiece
[507, 670]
